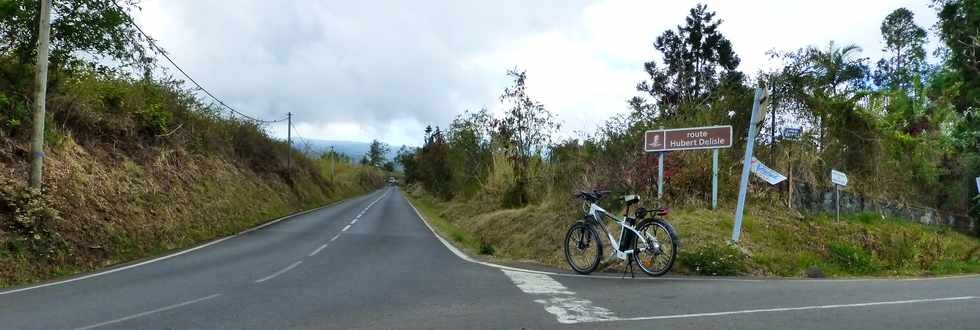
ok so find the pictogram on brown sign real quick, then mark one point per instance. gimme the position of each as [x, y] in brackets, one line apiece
[711, 137]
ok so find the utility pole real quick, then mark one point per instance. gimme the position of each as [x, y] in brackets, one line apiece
[289, 142]
[333, 164]
[40, 93]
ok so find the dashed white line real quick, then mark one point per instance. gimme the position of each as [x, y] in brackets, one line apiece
[158, 310]
[353, 222]
[161, 258]
[324, 246]
[335, 238]
[280, 272]
[345, 228]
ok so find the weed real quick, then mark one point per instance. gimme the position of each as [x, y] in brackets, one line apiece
[714, 259]
[851, 258]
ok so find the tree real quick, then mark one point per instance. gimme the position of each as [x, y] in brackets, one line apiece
[905, 46]
[99, 27]
[527, 128]
[692, 56]
[377, 153]
[959, 28]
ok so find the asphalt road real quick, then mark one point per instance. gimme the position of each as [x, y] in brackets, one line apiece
[370, 262]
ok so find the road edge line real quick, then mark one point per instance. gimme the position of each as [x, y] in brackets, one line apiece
[462, 255]
[459, 253]
[175, 253]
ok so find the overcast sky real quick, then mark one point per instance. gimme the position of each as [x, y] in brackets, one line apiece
[360, 70]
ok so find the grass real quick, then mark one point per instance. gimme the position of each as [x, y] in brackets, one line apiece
[774, 241]
[460, 238]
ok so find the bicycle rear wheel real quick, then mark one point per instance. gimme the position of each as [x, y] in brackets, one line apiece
[582, 248]
[656, 250]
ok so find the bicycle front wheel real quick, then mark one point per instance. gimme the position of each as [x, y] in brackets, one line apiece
[656, 250]
[582, 248]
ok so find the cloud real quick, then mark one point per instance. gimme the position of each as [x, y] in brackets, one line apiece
[359, 70]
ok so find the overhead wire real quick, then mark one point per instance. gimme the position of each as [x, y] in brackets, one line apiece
[191, 79]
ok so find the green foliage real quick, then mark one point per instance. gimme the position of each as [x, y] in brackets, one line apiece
[851, 258]
[376, 155]
[99, 27]
[714, 260]
[526, 129]
[30, 222]
[692, 56]
[905, 44]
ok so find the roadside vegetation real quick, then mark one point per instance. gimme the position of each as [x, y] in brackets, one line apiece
[135, 164]
[906, 130]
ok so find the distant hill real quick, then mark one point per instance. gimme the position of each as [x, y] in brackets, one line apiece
[354, 150]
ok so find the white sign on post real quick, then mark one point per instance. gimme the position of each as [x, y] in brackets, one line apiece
[978, 184]
[838, 178]
[765, 173]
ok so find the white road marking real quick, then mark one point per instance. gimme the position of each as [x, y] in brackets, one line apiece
[789, 309]
[465, 257]
[280, 272]
[158, 310]
[345, 228]
[335, 238]
[353, 222]
[559, 300]
[161, 258]
[324, 246]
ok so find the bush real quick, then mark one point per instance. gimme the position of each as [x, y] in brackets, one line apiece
[714, 260]
[851, 258]
[28, 216]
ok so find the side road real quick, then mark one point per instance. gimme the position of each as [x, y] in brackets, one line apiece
[372, 262]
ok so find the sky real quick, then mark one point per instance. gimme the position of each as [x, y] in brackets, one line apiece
[363, 70]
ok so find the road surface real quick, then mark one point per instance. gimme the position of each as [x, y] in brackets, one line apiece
[371, 262]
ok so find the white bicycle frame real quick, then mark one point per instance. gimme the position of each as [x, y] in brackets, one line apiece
[596, 212]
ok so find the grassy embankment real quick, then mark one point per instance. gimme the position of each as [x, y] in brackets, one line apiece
[774, 242]
[135, 168]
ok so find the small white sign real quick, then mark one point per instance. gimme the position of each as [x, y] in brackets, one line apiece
[978, 184]
[765, 173]
[838, 178]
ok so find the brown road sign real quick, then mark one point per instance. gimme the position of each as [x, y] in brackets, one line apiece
[711, 137]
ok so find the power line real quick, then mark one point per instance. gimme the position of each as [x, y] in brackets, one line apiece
[164, 53]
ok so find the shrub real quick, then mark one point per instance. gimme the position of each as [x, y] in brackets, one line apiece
[851, 258]
[28, 216]
[714, 260]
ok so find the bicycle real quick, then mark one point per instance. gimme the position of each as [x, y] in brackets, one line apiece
[654, 251]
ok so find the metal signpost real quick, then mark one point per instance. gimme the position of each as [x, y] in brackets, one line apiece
[839, 179]
[743, 186]
[662, 141]
[792, 134]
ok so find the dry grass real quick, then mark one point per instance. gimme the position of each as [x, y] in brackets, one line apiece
[778, 242]
[115, 208]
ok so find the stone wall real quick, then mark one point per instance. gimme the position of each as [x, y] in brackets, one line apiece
[821, 199]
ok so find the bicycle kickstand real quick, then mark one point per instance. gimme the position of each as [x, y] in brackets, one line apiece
[629, 267]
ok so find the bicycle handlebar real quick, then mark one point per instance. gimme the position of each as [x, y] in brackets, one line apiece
[593, 196]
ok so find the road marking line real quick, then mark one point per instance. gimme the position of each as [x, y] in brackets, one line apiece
[559, 300]
[280, 272]
[158, 310]
[353, 222]
[165, 257]
[345, 228]
[324, 246]
[335, 238]
[465, 257]
[789, 309]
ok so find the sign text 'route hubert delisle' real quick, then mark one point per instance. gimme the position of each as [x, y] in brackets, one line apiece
[711, 137]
